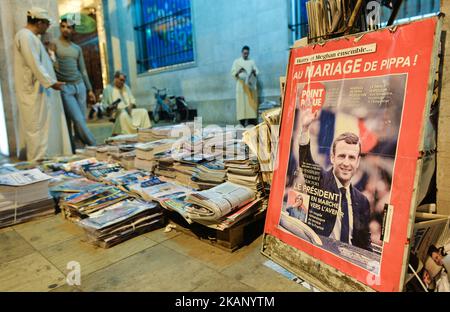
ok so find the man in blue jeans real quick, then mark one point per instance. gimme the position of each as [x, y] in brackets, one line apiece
[70, 68]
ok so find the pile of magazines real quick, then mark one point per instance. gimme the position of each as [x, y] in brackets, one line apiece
[122, 221]
[82, 205]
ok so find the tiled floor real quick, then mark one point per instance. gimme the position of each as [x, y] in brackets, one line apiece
[35, 256]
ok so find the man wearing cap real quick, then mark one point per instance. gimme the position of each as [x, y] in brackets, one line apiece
[71, 69]
[34, 80]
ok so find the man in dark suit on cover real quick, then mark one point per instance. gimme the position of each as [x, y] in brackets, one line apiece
[351, 223]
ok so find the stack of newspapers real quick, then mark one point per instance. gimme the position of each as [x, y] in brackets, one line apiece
[24, 195]
[208, 174]
[184, 169]
[247, 173]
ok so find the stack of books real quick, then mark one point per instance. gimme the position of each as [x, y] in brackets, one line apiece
[103, 152]
[122, 221]
[164, 165]
[24, 195]
[154, 134]
[127, 160]
[125, 155]
[217, 202]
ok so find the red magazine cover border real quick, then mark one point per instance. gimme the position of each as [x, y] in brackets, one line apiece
[418, 37]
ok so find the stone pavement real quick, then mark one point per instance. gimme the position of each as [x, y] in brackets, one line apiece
[34, 257]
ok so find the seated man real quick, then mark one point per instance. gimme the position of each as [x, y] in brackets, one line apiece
[118, 97]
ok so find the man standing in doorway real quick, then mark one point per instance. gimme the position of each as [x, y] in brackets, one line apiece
[245, 72]
[33, 78]
[70, 68]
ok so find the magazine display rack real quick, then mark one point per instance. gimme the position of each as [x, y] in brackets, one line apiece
[354, 143]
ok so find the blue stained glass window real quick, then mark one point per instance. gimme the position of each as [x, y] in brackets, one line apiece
[164, 33]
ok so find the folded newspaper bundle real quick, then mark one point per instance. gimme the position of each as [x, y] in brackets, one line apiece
[122, 221]
[218, 201]
[235, 216]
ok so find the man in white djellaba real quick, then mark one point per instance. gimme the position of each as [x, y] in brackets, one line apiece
[245, 72]
[41, 115]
